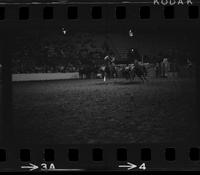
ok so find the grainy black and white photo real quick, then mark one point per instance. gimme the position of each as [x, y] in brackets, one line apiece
[125, 85]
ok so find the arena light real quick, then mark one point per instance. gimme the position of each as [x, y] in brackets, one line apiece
[64, 31]
[130, 33]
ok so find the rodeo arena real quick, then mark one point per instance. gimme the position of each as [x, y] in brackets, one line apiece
[96, 58]
[87, 88]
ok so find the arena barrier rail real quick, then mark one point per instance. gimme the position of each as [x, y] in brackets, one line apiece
[45, 76]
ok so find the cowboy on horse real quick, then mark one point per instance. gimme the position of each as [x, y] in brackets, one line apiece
[109, 67]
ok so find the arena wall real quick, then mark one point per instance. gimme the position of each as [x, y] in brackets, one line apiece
[44, 76]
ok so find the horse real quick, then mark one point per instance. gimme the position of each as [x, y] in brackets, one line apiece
[141, 72]
[108, 71]
[132, 70]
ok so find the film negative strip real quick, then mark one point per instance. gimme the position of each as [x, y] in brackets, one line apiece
[99, 86]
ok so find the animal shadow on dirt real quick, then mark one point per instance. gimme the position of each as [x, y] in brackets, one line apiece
[121, 83]
[128, 82]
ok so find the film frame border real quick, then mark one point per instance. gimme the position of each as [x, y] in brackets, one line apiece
[133, 155]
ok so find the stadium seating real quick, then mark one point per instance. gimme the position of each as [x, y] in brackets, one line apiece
[56, 53]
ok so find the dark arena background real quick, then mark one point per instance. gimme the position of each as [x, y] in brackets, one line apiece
[60, 96]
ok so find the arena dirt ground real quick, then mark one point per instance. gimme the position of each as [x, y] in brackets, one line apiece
[118, 111]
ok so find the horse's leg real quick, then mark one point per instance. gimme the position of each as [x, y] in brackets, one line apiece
[140, 76]
[104, 77]
[108, 75]
[144, 77]
[132, 75]
[127, 76]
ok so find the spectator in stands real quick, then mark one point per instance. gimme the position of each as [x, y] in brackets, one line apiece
[157, 70]
[164, 68]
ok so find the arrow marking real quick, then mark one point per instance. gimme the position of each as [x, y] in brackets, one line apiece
[31, 167]
[129, 166]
